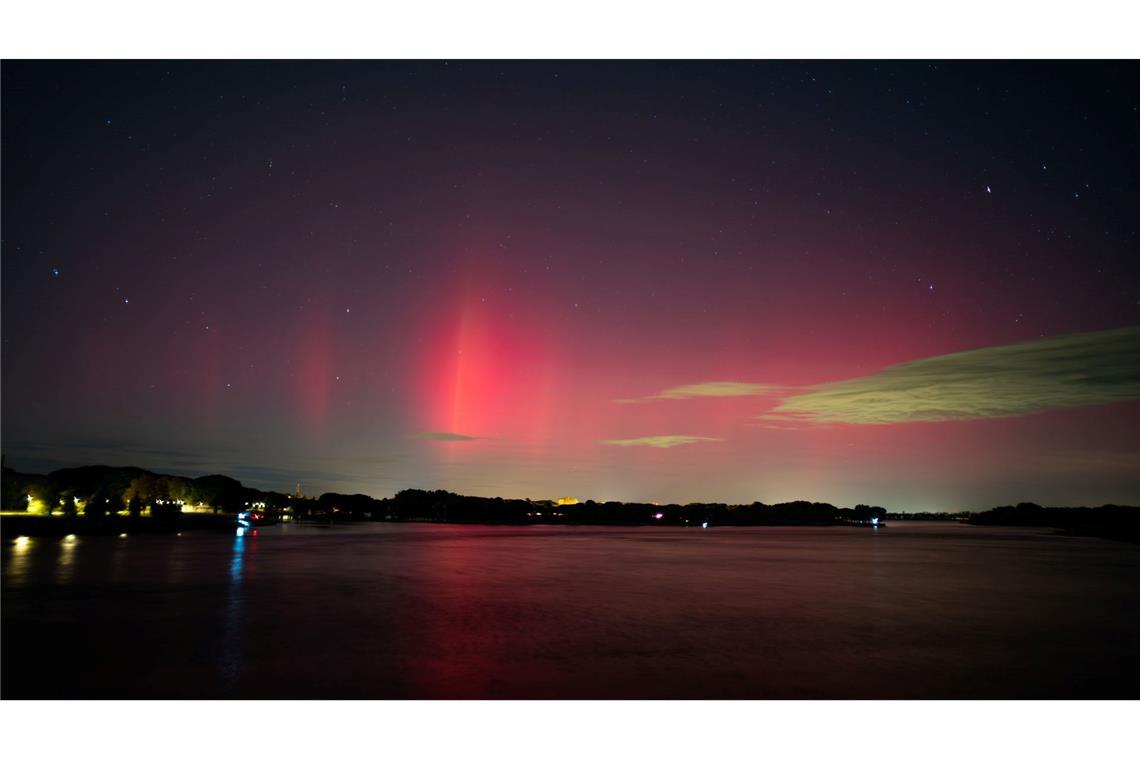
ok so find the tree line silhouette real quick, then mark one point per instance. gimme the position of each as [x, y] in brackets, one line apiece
[99, 494]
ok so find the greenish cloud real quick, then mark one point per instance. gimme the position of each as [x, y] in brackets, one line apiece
[444, 437]
[999, 381]
[711, 389]
[660, 441]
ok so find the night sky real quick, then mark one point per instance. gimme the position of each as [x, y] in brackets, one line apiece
[907, 284]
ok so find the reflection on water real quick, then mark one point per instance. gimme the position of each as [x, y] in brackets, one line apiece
[65, 565]
[178, 564]
[231, 636]
[445, 611]
[16, 568]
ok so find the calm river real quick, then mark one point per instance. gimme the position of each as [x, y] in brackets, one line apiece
[442, 611]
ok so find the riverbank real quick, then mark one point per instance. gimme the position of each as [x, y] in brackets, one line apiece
[12, 525]
[35, 525]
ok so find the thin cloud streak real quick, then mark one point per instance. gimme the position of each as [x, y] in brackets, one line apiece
[710, 389]
[660, 441]
[443, 436]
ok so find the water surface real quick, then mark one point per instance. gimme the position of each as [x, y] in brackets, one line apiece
[437, 611]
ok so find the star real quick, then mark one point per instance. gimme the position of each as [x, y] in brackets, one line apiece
[988, 190]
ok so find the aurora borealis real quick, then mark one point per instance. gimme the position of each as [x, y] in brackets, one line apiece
[909, 284]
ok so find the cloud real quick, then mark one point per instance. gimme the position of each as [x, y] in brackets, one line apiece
[660, 441]
[999, 381]
[711, 389]
[444, 437]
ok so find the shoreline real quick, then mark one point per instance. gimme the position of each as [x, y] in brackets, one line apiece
[12, 526]
[39, 526]
[42, 525]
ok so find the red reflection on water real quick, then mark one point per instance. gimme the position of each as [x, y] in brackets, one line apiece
[459, 656]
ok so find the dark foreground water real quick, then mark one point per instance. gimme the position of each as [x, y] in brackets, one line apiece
[408, 611]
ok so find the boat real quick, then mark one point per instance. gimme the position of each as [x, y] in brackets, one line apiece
[255, 518]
